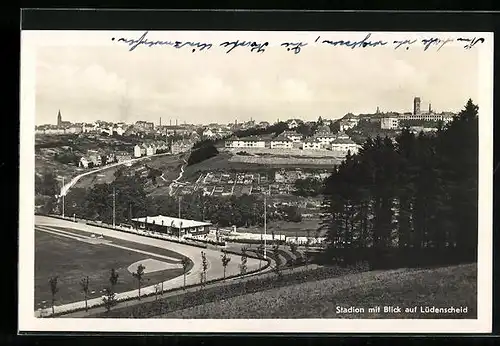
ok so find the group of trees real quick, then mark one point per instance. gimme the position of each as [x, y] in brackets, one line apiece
[308, 187]
[131, 201]
[275, 129]
[408, 201]
[67, 157]
[202, 152]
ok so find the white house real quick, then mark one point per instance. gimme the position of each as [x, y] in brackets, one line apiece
[389, 123]
[311, 144]
[292, 135]
[281, 142]
[343, 145]
[84, 162]
[293, 123]
[150, 150]
[208, 133]
[137, 151]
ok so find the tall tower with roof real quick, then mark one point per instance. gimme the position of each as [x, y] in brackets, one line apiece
[59, 118]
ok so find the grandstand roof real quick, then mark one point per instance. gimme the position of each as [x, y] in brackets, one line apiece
[171, 221]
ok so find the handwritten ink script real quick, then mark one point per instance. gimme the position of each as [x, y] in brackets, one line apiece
[260, 47]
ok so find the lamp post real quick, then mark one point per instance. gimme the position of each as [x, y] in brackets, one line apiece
[265, 224]
[62, 192]
[114, 207]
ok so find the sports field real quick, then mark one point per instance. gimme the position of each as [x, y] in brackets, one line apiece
[73, 255]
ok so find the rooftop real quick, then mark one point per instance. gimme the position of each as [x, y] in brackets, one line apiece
[281, 138]
[343, 141]
[171, 221]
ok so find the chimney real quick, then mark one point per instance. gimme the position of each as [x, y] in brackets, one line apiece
[170, 122]
[175, 122]
[378, 110]
[430, 109]
[160, 121]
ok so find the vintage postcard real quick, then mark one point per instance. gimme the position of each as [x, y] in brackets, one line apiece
[256, 181]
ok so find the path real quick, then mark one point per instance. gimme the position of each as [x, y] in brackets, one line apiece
[65, 188]
[171, 186]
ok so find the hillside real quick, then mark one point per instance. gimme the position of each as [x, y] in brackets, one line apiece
[442, 287]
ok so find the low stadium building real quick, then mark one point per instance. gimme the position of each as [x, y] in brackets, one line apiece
[172, 225]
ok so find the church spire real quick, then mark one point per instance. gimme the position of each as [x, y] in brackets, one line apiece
[59, 118]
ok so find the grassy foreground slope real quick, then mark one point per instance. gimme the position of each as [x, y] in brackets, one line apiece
[439, 287]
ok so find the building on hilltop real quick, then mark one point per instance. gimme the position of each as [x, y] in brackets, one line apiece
[60, 122]
[324, 136]
[311, 144]
[137, 151]
[348, 122]
[343, 145]
[172, 225]
[281, 142]
[245, 142]
[293, 123]
[416, 105]
[292, 135]
[389, 123]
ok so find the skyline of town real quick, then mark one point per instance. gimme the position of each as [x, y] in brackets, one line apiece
[107, 83]
[424, 106]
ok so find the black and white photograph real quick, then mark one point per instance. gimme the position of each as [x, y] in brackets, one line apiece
[210, 181]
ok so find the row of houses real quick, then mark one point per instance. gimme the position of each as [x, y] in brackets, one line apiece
[323, 139]
[96, 158]
[393, 122]
[151, 148]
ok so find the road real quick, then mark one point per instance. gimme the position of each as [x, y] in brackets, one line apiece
[171, 186]
[65, 188]
[213, 256]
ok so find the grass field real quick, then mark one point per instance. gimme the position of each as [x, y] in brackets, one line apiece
[121, 242]
[439, 287]
[105, 176]
[72, 260]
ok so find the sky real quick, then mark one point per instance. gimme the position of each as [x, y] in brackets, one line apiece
[88, 83]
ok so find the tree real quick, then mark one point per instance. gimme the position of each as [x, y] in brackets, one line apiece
[138, 275]
[306, 252]
[109, 299]
[185, 265]
[84, 283]
[277, 267]
[293, 250]
[203, 153]
[204, 264]
[244, 259]
[113, 279]
[53, 281]
[411, 201]
[260, 252]
[225, 261]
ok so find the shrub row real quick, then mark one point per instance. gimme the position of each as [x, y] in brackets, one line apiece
[211, 294]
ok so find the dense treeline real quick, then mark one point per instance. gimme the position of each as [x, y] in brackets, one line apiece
[412, 201]
[275, 129]
[202, 153]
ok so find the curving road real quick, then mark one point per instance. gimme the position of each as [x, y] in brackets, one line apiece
[65, 188]
[214, 271]
[171, 186]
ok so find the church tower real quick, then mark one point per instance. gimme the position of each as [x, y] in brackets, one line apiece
[59, 118]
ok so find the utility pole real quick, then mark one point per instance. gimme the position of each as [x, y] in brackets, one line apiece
[179, 207]
[265, 224]
[113, 207]
[63, 193]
